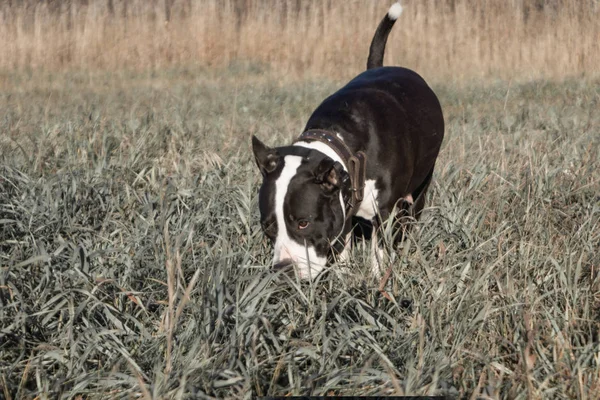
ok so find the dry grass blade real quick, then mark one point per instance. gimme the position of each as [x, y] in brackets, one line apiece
[384, 282]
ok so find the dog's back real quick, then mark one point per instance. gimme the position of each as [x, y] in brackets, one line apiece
[391, 114]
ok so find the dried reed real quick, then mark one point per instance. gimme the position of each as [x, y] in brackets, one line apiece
[455, 40]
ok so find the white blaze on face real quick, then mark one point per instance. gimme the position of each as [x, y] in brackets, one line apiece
[307, 262]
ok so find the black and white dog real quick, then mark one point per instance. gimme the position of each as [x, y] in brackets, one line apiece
[367, 150]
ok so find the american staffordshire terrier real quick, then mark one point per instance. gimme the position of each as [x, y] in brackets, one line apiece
[367, 151]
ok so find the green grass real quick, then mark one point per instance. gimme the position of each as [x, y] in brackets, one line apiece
[132, 262]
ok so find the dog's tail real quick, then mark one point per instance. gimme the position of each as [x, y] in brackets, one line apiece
[381, 34]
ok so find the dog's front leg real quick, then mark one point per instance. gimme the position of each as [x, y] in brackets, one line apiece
[377, 252]
[344, 255]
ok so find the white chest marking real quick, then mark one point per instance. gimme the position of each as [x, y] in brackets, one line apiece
[369, 206]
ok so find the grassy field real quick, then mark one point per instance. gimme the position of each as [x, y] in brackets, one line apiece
[132, 262]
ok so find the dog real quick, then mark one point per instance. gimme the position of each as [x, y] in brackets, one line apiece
[366, 152]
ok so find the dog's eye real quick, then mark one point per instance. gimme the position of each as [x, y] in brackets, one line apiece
[302, 224]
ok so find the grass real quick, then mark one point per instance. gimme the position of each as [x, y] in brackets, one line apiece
[132, 262]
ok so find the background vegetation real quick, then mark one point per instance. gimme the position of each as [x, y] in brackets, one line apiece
[131, 260]
[449, 40]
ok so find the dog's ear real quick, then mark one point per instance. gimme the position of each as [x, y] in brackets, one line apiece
[331, 175]
[266, 157]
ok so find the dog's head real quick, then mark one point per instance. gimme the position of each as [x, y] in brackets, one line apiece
[301, 205]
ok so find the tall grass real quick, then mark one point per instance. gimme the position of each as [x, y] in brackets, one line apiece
[132, 263]
[455, 40]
